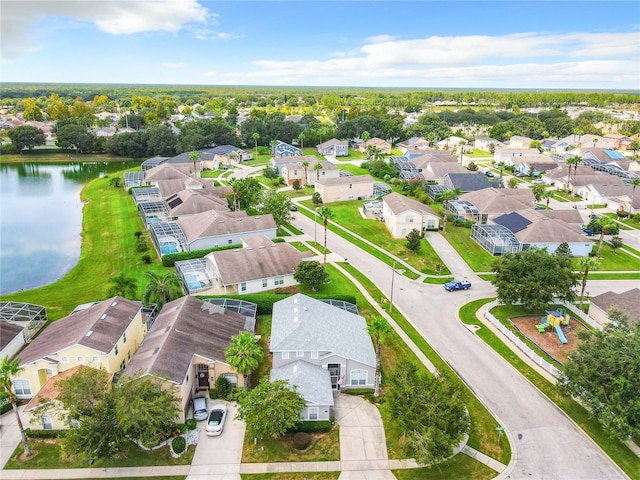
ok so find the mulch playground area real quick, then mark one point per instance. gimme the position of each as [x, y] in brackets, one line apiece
[549, 341]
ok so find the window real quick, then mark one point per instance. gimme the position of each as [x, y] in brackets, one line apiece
[46, 422]
[409, 219]
[95, 359]
[313, 413]
[358, 377]
[285, 355]
[278, 281]
[122, 366]
[243, 287]
[232, 377]
[21, 387]
[80, 359]
[129, 355]
[230, 241]
[351, 185]
[116, 349]
[265, 283]
[124, 337]
[64, 359]
[431, 224]
[300, 353]
[314, 354]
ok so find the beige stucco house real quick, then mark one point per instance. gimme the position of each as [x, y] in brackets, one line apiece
[402, 214]
[338, 189]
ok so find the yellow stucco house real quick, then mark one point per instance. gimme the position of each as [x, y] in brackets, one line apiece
[186, 348]
[105, 334]
[355, 187]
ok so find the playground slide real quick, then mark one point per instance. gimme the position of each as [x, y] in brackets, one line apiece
[561, 336]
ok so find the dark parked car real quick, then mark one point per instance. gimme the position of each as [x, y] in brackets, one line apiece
[489, 173]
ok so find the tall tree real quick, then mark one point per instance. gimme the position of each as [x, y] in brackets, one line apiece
[193, 156]
[572, 161]
[310, 273]
[9, 369]
[534, 277]
[607, 225]
[161, 289]
[547, 195]
[586, 264]
[634, 184]
[270, 409]
[26, 136]
[305, 165]
[256, 137]
[244, 354]
[414, 240]
[278, 205]
[326, 214]
[317, 167]
[446, 197]
[122, 286]
[301, 137]
[365, 138]
[379, 328]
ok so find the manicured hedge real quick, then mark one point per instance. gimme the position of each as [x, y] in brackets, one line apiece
[45, 433]
[312, 426]
[358, 391]
[179, 444]
[170, 259]
[265, 301]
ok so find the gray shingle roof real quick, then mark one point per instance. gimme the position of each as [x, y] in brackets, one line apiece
[627, 301]
[399, 203]
[346, 180]
[313, 381]
[469, 182]
[493, 200]
[303, 323]
[213, 224]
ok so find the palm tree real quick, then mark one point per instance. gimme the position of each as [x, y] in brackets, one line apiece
[317, 167]
[374, 152]
[586, 264]
[365, 138]
[305, 165]
[273, 144]
[193, 156]
[462, 144]
[161, 289]
[547, 194]
[634, 147]
[326, 214]
[572, 161]
[244, 354]
[378, 329]
[595, 140]
[256, 137]
[605, 224]
[122, 286]
[10, 369]
[301, 137]
[445, 197]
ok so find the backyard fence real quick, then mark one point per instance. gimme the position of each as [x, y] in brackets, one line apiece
[580, 314]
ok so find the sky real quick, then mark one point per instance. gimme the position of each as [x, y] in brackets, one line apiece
[414, 44]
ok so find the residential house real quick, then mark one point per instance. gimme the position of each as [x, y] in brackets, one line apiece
[258, 266]
[505, 155]
[626, 201]
[209, 229]
[222, 155]
[488, 144]
[402, 214]
[560, 175]
[282, 149]
[426, 157]
[532, 164]
[337, 189]
[469, 182]
[334, 147]
[453, 142]
[166, 171]
[626, 301]
[12, 338]
[493, 201]
[383, 145]
[589, 141]
[414, 143]
[19, 323]
[295, 171]
[280, 162]
[101, 335]
[311, 342]
[186, 348]
[518, 141]
[585, 185]
[437, 171]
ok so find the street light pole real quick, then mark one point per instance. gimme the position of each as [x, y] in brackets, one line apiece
[393, 274]
[315, 223]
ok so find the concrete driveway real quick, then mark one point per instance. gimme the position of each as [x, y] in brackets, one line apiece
[9, 435]
[219, 457]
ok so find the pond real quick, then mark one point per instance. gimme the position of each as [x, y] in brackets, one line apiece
[41, 220]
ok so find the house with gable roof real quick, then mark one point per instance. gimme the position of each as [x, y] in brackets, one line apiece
[320, 348]
[101, 335]
[282, 149]
[335, 147]
[402, 214]
[625, 301]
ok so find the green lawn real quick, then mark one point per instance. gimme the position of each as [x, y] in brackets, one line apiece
[303, 192]
[565, 197]
[293, 229]
[476, 257]
[301, 247]
[631, 224]
[325, 448]
[258, 160]
[109, 222]
[347, 215]
[49, 454]
[460, 466]
[619, 452]
[291, 476]
[212, 173]
[614, 259]
[479, 153]
[353, 169]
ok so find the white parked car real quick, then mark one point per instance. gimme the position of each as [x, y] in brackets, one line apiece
[200, 408]
[217, 416]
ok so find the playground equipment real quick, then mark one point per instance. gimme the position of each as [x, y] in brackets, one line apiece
[555, 320]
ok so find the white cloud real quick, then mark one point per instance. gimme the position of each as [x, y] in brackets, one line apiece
[379, 39]
[202, 33]
[117, 17]
[173, 64]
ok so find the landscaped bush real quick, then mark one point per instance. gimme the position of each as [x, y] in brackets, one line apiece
[222, 390]
[278, 240]
[358, 391]
[170, 259]
[191, 424]
[265, 301]
[313, 426]
[290, 290]
[45, 433]
[146, 259]
[179, 444]
[301, 440]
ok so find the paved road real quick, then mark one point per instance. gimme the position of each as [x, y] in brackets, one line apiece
[546, 443]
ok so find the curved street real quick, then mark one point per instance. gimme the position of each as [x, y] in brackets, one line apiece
[545, 442]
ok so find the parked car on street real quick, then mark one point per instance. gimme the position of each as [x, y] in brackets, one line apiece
[586, 231]
[215, 424]
[489, 173]
[537, 181]
[200, 408]
[457, 285]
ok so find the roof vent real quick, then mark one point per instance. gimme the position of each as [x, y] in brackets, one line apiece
[104, 315]
[295, 368]
[114, 303]
[167, 329]
[261, 246]
[156, 350]
[89, 333]
[220, 221]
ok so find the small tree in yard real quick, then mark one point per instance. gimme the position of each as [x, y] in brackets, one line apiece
[513, 183]
[414, 240]
[586, 264]
[296, 185]
[429, 410]
[270, 409]
[563, 249]
[378, 329]
[311, 273]
[534, 277]
[602, 373]
[244, 354]
[122, 286]
[326, 214]
[616, 243]
[161, 288]
[316, 198]
[278, 205]
[10, 369]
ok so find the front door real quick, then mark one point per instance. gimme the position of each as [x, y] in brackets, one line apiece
[334, 373]
[203, 376]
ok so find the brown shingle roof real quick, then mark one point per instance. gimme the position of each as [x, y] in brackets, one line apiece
[185, 327]
[9, 331]
[545, 229]
[192, 202]
[213, 224]
[246, 264]
[494, 200]
[582, 180]
[165, 171]
[627, 301]
[399, 203]
[106, 320]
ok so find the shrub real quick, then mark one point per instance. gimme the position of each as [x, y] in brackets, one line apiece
[301, 440]
[170, 259]
[312, 426]
[278, 240]
[141, 245]
[146, 259]
[222, 390]
[191, 424]
[358, 391]
[179, 444]
[45, 433]
[290, 290]
[265, 301]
